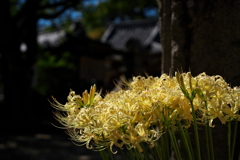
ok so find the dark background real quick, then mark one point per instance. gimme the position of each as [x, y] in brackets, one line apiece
[32, 72]
[198, 36]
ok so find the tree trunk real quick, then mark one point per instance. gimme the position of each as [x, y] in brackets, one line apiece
[166, 34]
[205, 37]
[16, 68]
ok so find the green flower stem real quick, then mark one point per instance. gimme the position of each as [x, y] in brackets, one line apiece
[145, 152]
[157, 150]
[106, 154]
[207, 143]
[165, 146]
[123, 155]
[208, 131]
[138, 154]
[131, 154]
[103, 155]
[195, 130]
[229, 141]
[110, 154]
[189, 143]
[186, 142]
[190, 97]
[210, 150]
[234, 137]
[155, 153]
[174, 142]
[164, 139]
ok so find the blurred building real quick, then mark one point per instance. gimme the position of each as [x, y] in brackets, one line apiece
[139, 40]
[98, 63]
[128, 48]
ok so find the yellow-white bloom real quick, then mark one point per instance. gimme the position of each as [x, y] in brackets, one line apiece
[143, 111]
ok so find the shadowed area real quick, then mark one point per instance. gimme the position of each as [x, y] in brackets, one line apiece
[43, 147]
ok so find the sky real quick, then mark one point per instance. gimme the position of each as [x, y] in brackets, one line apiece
[74, 15]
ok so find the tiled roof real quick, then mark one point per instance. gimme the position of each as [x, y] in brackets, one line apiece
[144, 31]
[91, 48]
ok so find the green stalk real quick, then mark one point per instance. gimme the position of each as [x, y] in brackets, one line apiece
[234, 137]
[195, 131]
[158, 150]
[229, 141]
[208, 133]
[209, 143]
[165, 146]
[110, 154]
[138, 154]
[123, 155]
[189, 143]
[190, 97]
[103, 155]
[146, 154]
[185, 141]
[174, 142]
[131, 154]
[164, 140]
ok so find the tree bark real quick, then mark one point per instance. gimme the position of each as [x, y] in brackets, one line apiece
[204, 38]
[166, 34]
[196, 34]
[16, 67]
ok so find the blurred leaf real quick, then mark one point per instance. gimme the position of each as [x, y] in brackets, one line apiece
[107, 11]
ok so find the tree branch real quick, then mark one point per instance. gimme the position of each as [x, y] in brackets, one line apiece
[66, 4]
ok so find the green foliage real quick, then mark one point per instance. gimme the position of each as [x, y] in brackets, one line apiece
[53, 71]
[48, 60]
[98, 16]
